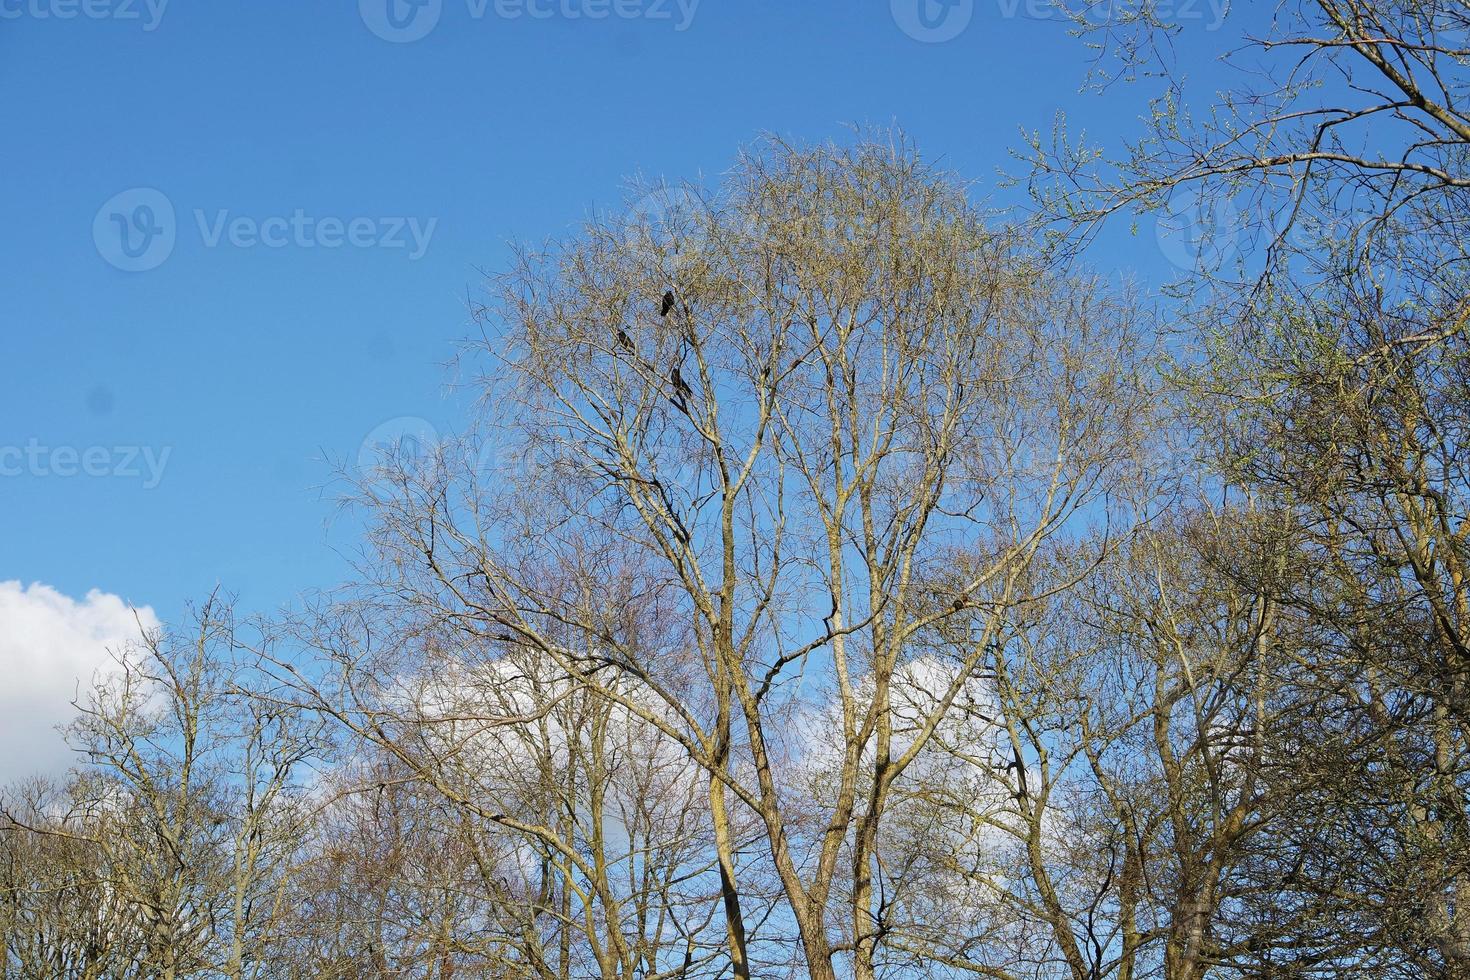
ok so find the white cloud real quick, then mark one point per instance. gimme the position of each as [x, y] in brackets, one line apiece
[51, 646]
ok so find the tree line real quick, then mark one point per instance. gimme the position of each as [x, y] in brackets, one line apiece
[877, 591]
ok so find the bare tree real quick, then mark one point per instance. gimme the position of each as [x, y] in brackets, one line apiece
[798, 425]
[178, 832]
[1327, 381]
[570, 828]
[59, 917]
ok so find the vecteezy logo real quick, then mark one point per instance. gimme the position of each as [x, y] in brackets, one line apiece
[407, 443]
[400, 21]
[669, 219]
[135, 230]
[1197, 233]
[933, 21]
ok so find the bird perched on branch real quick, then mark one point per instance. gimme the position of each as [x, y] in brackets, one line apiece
[624, 341]
[1294, 876]
[1020, 770]
[667, 304]
[677, 380]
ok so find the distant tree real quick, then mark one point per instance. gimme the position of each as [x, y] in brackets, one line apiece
[171, 847]
[1327, 381]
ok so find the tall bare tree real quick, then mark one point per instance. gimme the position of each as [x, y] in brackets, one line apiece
[795, 425]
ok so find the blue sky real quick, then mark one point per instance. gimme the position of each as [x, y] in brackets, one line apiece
[169, 429]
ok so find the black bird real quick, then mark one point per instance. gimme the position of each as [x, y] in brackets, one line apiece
[624, 341]
[1020, 769]
[667, 304]
[678, 381]
[1294, 876]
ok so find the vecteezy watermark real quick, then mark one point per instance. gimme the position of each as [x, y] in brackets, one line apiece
[1210, 14]
[1197, 232]
[667, 220]
[37, 459]
[933, 21]
[405, 453]
[149, 13]
[402, 21]
[403, 444]
[301, 230]
[137, 229]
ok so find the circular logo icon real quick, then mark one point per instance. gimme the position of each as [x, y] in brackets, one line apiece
[1196, 233]
[135, 230]
[400, 21]
[933, 21]
[404, 444]
[669, 219]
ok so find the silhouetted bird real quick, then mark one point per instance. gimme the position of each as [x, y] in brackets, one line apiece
[668, 303]
[1020, 769]
[624, 341]
[1294, 876]
[678, 381]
